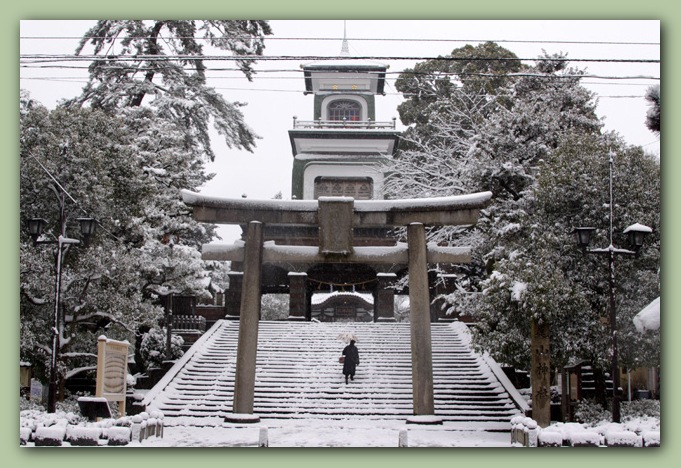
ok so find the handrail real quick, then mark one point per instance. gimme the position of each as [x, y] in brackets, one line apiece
[189, 322]
[352, 124]
[515, 395]
[180, 363]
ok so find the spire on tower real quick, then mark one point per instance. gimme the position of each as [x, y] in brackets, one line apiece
[345, 49]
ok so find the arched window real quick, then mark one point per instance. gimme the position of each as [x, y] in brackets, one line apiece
[344, 109]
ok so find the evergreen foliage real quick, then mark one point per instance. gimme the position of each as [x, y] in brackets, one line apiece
[162, 62]
[535, 142]
[121, 152]
[653, 115]
[154, 348]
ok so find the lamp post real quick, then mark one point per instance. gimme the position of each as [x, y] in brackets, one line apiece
[35, 229]
[636, 234]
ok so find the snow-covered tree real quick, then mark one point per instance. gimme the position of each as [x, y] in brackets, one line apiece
[653, 114]
[525, 149]
[456, 91]
[489, 136]
[153, 74]
[162, 63]
[126, 171]
[547, 104]
[154, 348]
[446, 102]
[121, 152]
[546, 278]
[77, 163]
[547, 165]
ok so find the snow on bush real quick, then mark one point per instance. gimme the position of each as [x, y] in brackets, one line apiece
[651, 438]
[51, 436]
[83, 435]
[118, 435]
[550, 438]
[591, 413]
[640, 408]
[153, 348]
[584, 438]
[24, 435]
[622, 439]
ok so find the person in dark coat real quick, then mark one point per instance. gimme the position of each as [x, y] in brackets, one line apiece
[351, 361]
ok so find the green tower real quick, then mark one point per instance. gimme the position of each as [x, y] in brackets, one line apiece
[341, 151]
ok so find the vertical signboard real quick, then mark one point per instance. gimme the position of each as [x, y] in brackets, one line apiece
[112, 370]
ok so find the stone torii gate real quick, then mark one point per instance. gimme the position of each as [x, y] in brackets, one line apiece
[335, 218]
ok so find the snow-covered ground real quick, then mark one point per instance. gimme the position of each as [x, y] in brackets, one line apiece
[306, 433]
[315, 433]
[347, 433]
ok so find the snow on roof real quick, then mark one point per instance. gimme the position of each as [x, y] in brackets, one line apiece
[638, 227]
[450, 202]
[649, 317]
[318, 298]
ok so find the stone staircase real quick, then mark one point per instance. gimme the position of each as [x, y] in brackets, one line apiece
[298, 376]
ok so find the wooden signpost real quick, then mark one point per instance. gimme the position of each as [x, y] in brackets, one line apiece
[112, 370]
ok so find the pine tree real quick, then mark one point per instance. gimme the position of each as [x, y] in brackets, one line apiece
[121, 152]
[536, 144]
[653, 115]
[162, 63]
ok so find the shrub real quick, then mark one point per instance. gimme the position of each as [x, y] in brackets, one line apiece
[640, 409]
[591, 413]
[153, 348]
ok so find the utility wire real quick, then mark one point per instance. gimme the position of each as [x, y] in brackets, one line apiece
[292, 70]
[61, 187]
[358, 39]
[297, 91]
[41, 58]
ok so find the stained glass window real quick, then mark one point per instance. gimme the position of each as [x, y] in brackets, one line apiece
[345, 109]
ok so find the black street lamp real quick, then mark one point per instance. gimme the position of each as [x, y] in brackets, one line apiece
[636, 233]
[35, 229]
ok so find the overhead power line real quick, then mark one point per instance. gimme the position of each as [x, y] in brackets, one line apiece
[297, 71]
[41, 58]
[486, 75]
[360, 39]
[281, 90]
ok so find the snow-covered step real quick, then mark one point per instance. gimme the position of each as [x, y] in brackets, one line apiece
[298, 375]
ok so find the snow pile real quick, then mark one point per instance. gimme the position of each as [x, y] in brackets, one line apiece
[651, 438]
[548, 438]
[649, 317]
[83, 435]
[49, 436]
[583, 438]
[39, 428]
[623, 439]
[118, 435]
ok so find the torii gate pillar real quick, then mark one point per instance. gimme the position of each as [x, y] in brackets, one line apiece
[419, 318]
[244, 385]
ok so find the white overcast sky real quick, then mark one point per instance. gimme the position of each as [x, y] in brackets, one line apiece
[274, 97]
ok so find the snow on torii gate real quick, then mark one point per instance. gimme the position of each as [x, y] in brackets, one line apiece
[336, 217]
